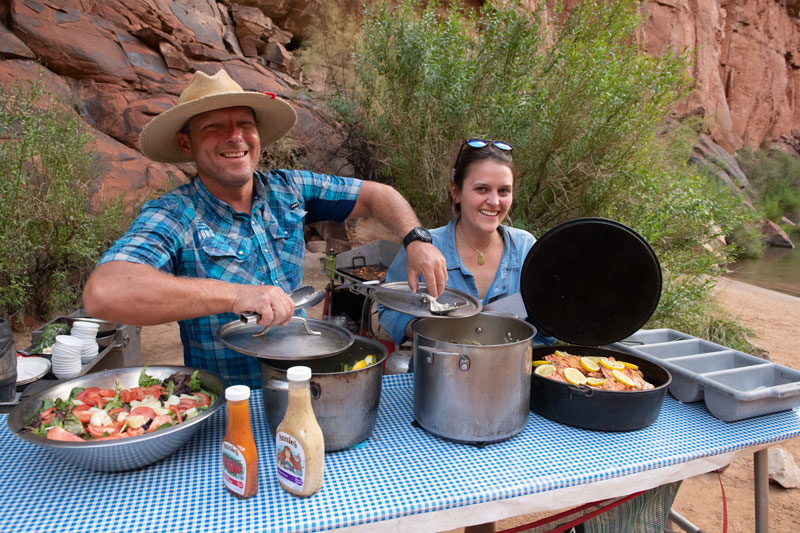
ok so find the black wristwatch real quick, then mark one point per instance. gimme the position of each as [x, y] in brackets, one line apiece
[417, 234]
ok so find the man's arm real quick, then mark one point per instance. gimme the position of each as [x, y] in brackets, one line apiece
[141, 295]
[393, 211]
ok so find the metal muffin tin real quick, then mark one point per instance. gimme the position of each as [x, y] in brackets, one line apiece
[734, 385]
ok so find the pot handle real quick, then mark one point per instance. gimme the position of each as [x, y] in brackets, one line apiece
[279, 384]
[581, 390]
[463, 360]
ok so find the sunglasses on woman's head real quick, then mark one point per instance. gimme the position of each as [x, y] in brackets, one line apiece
[478, 144]
[482, 143]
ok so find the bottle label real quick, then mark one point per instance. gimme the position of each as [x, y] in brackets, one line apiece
[291, 461]
[234, 468]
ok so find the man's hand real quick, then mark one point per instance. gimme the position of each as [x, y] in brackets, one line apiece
[275, 306]
[425, 259]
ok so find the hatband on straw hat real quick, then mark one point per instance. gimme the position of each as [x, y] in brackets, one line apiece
[274, 116]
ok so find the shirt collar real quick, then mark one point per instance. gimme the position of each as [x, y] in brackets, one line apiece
[511, 256]
[222, 209]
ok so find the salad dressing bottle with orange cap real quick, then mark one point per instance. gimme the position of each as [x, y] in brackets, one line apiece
[239, 455]
[299, 443]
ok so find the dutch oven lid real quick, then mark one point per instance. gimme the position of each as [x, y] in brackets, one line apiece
[591, 281]
[286, 342]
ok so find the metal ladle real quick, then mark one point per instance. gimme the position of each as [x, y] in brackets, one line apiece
[303, 298]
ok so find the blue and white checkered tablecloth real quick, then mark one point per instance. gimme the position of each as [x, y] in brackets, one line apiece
[400, 470]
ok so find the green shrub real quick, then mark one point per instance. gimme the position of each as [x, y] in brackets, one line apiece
[49, 239]
[583, 107]
[775, 178]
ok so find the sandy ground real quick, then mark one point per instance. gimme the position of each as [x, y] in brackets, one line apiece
[775, 319]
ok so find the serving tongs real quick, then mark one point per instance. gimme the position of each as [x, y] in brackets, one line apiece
[303, 297]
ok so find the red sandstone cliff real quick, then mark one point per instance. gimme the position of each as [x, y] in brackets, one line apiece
[746, 64]
[121, 63]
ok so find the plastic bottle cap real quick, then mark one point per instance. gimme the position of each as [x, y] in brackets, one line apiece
[298, 373]
[237, 393]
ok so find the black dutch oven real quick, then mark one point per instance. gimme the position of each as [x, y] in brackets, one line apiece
[590, 282]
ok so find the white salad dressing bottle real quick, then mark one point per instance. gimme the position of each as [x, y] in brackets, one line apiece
[299, 443]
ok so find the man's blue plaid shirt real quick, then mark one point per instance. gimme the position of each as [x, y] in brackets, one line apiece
[191, 233]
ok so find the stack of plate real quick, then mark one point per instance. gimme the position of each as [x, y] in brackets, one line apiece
[66, 360]
[87, 333]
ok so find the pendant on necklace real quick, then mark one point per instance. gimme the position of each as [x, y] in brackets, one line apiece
[480, 259]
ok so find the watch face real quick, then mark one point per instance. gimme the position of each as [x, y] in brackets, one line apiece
[417, 234]
[423, 234]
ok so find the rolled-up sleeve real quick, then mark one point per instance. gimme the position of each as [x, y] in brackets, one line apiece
[152, 238]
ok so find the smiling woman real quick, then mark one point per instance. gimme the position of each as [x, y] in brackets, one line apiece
[484, 257]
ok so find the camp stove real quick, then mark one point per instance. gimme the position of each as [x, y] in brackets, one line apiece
[361, 269]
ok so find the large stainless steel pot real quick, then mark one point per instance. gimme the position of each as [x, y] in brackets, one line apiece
[345, 403]
[472, 376]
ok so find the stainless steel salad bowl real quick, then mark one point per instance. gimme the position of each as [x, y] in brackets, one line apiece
[120, 454]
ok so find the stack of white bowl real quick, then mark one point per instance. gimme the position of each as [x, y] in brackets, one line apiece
[66, 359]
[86, 332]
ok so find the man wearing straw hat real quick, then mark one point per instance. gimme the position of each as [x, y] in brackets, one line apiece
[231, 240]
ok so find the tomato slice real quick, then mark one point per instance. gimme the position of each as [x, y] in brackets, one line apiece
[111, 437]
[95, 431]
[92, 396]
[59, 433]
[174, 409]
[85, 392]
[159, 421]
[117, 410]
[204, 398]
[48, 415]
[107, 393]
[187, 403]
[82, 412]
[130, 432]
[153, 390]
[146, 412]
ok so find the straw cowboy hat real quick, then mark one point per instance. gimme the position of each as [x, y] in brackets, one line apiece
[274, 116]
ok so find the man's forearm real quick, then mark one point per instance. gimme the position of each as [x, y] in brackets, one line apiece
[393, 211]
[140, 295]
[386, 205]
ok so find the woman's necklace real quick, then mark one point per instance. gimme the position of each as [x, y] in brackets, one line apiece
[481, 259]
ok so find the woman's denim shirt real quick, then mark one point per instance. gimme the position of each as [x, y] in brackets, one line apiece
[516, 243]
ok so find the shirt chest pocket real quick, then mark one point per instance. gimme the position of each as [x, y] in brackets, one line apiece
[288, 239]
[224, 258]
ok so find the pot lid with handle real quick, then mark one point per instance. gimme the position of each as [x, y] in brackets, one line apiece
[302, 338]
[290, 342]
[452, 303]
[591, 281]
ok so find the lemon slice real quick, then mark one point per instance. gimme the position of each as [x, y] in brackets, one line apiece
[630, 365]
[589, 365]
[361, 364]
[595, 382]
[370, 360]
[541, 362]
[561, 354]
[574, 376]
[623, 378]
[611, 365]
[593, 358]
[545, 370]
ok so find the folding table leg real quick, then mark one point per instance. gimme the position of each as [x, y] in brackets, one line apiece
[682, 523]
[761, 474]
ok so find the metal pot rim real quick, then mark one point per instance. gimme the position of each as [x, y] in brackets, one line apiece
[447, 322]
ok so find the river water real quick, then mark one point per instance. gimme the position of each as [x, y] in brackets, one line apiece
[777, 269]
